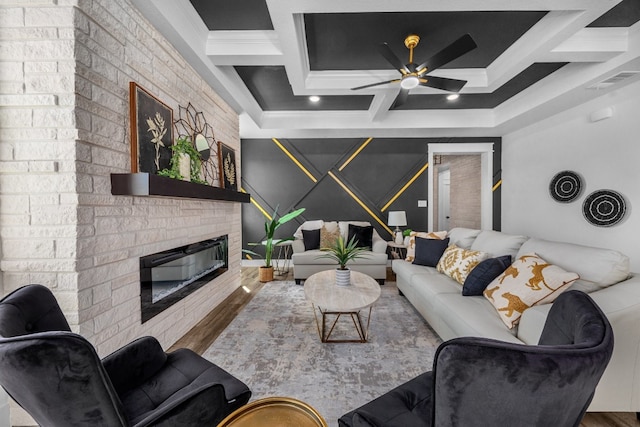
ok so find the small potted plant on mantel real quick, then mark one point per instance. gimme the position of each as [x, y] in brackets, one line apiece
[270, 227]
[185, 163]
[343, 253]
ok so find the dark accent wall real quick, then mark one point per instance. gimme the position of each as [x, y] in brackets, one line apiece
[374, 176]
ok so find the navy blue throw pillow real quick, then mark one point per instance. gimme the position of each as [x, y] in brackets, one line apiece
[483, 274]
[363, 235]
[429, 251]
[311, 239]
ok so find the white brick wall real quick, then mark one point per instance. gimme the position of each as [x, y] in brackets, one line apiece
[65, 68]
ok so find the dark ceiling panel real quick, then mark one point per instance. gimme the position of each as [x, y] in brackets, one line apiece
[514, 86]
[349, 41]
[624, 14]
[271, 89]
[234, 15]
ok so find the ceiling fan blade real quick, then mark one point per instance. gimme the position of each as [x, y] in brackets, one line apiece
[375, 84]
[401, 98]
[451, 85]
[388, 54]
[456, 49]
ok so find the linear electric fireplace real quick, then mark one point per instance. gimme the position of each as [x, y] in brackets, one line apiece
[167, 277]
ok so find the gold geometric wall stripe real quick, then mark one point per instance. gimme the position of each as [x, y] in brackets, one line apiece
[360, 202]
[294, 160]
[402, 190]
[353, 156]
[498, 184]
[257, 205]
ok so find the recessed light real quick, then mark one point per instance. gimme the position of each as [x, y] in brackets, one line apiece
[314, 98]
[453, 97]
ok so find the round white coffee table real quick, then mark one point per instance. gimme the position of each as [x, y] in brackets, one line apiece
[332, 300]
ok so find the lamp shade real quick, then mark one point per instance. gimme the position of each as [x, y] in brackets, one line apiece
[397, 219]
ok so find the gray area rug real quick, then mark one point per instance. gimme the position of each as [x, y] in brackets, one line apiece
[274, 347]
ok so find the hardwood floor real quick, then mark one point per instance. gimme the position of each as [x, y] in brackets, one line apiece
[206, 331]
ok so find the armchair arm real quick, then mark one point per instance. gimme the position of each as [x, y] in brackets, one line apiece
[134, 363]
[195, 405]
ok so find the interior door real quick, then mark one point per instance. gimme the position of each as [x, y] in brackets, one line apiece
[444, 199]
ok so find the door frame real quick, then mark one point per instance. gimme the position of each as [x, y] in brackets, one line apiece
[485, 150]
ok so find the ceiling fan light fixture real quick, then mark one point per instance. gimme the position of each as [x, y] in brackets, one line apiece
[409, 82]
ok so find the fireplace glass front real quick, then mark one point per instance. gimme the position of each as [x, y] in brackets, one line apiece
[167, 277]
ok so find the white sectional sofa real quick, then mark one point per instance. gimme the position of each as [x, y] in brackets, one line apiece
[604, 274]
[308, 262]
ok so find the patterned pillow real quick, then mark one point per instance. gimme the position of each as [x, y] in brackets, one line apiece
[530, 280]
[457, 262]
[411, 247]
[328, 237]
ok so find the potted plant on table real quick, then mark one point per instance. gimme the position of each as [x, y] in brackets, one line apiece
[270, 227]
[343, 253]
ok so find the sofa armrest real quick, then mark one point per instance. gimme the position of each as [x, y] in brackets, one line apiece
[297, 246]
[379, 246]
[132, 364]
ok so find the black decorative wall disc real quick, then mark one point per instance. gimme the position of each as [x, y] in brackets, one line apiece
[604, 208]
[566, 186]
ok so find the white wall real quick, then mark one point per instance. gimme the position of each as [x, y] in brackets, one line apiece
[607, 155]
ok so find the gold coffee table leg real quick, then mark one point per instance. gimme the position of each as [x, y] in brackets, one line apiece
[324, 334]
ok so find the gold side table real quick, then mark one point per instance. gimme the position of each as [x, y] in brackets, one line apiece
[275, 412]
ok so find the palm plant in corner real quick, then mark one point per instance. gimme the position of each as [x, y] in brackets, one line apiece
[343, 253]
[270, 227]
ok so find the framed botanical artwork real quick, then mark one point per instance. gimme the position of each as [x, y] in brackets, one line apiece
[151, 131]
[227, 167]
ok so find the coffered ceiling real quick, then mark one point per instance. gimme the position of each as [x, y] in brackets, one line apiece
[533, 60]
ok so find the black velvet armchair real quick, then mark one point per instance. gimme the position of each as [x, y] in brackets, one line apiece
[483, 382]
[58, 378]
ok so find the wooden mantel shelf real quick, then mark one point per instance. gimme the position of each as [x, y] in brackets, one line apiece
[145, 184]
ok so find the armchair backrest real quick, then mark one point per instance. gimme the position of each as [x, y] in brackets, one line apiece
[54, 374]
[481, 382]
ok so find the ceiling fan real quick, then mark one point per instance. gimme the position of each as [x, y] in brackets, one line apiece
[414, 75]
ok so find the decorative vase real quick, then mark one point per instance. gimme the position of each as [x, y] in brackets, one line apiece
[184, 166]
[343, 277]
[265, 274]
[399, 238]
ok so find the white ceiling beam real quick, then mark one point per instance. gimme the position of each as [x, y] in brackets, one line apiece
[590, 45]
[244, 48]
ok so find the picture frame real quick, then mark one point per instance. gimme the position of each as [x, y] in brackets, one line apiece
[151, 131]
[227, 167]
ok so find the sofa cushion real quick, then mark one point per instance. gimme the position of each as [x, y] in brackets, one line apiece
[462, 237]
[407, 270]
[429, 251]
[597, 267]
[530, 280]
[311, 239]
[411, 241]
[496, 243]
[437, 284]
[457, 262]
[362, 235]
[316, 257]
[329, 234]
[484, 273]
[471, 316]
